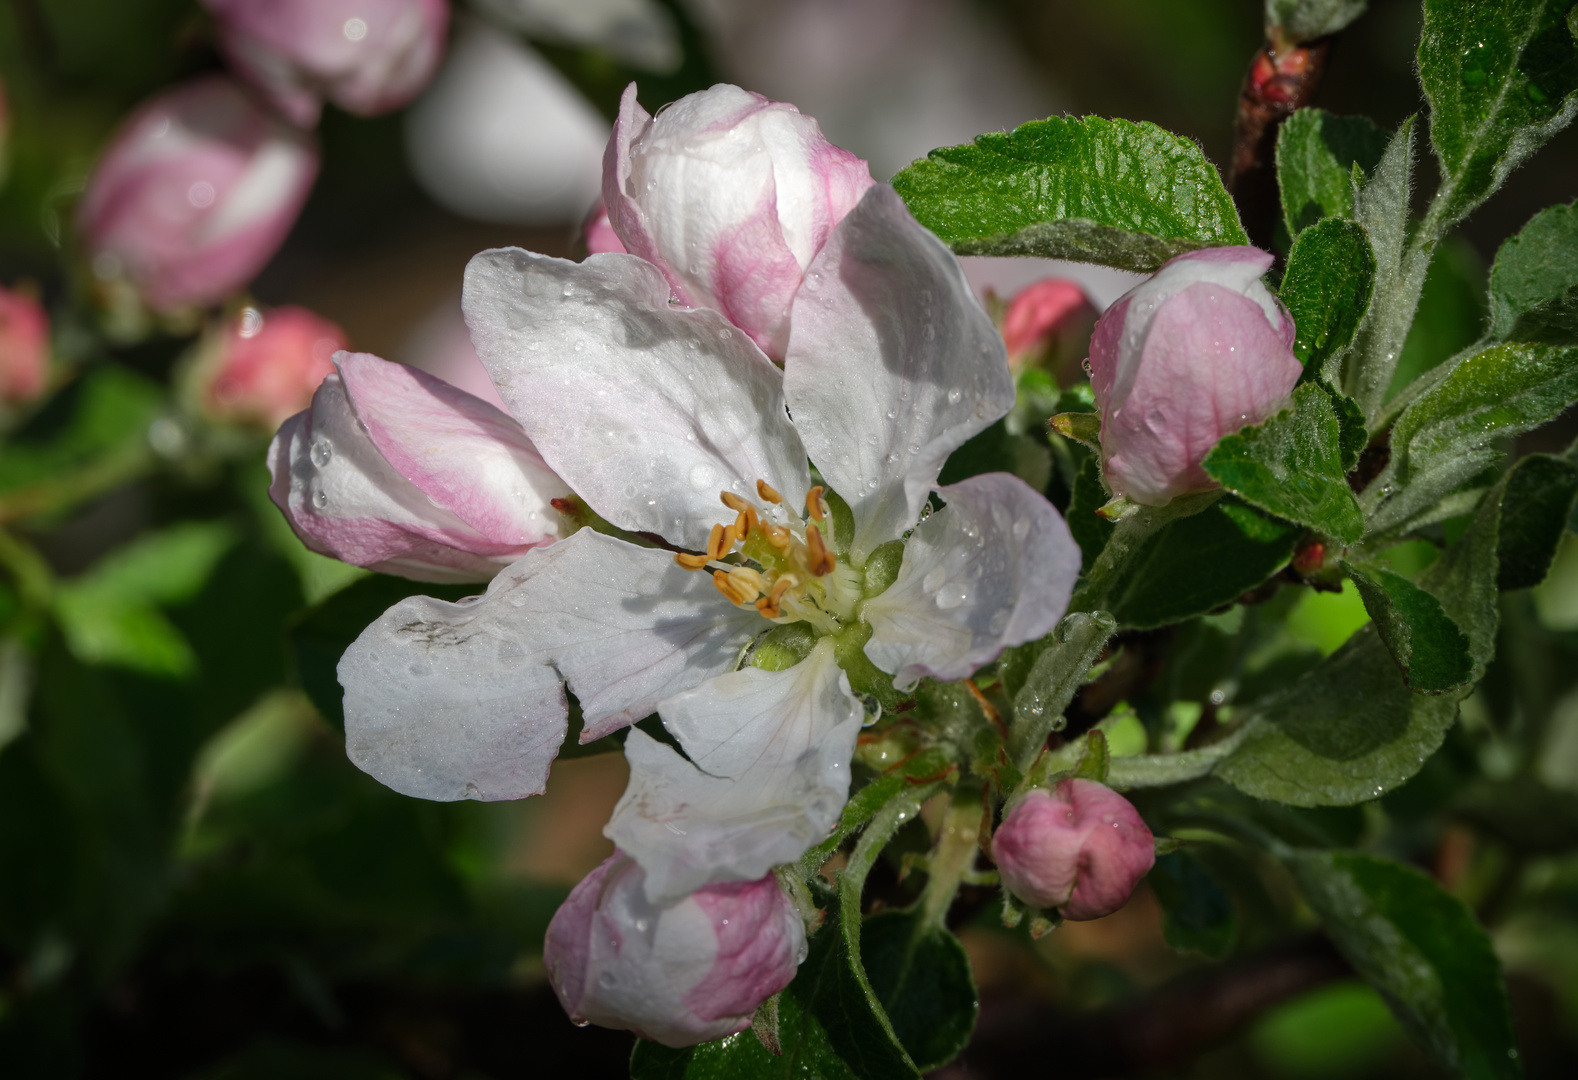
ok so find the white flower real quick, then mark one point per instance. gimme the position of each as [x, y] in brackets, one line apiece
[672, 422]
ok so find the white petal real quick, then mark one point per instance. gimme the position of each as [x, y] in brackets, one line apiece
[648, 411]
[441, 702]
[768, 776]
[993, 568]
[627, 627]
[450, 701]
[891, 365]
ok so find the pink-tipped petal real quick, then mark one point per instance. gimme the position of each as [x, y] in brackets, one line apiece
[598, 232]
[730, 195]
[265, 365]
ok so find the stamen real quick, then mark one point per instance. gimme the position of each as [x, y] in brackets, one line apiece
[692, 562]
[778, 536]
[769, 604]
[742, 525]
[747, 578]
[767, 492]
[813, 503]
[733, 501]
[726, 585]
[715, 547]
[822, 561]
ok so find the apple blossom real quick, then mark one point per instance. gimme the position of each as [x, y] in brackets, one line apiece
[261, 367]
[24, 347]
[398, 471]
[1081, 848]
[367, 56]
[731, 196]
[679, 973]
[670, 422]
[1195, 352]
[196, 192]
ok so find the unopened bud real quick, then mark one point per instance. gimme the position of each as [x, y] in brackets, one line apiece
[262, 367]
[1081, 849]
[1196, 352]
[24, 347]
[1047, 325]
[681, 973]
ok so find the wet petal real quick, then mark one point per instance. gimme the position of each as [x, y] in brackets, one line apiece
[647, 410]
[450, 701]
[993, 568]
[767, 777]
[891, 365]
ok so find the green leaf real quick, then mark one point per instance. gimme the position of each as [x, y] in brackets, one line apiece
[108, 409]
[1345, 732]
[1382, 206]
[1423, 950]
[1351, 418]
[1448, 434]
[1199, 563]
[1500, 77]
[323, 633]
[1052, 681]
[1316, 155]
[1291, 466]
[922, 977]
[1431, 651]
[1534, 513]
[110, 614]
[1451, 314]
[1305, 20]
[1197, 914]
[1104, 191]
[1534, 284]
[1331, 272]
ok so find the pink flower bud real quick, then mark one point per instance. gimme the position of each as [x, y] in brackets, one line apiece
[730, 195]
[1081, 849]
[195, 194]
[398, 471]
[262, 367]
[367, 56]
[598, 231]
[1194, 353]
[681, 973]
[24, 348]
[1046, 323]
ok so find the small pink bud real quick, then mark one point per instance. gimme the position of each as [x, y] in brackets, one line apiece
[398, 471]
[196, 192]
[24, 347]
[1194, 353]
[1081, 848]
[598, 231]
[681, 973]
[367, 56]
[262, 367]
[731, 196]
[1048, 325]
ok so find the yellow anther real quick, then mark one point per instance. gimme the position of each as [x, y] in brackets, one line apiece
[721, 541]
[767, 493]
[737, 591]
[778, 536]
[733, 501]
[747, 578]
[813, 503]
[692, 562]
[769, 604]
[821, 561]
[742, 524]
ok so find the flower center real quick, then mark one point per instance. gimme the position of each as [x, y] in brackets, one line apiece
[781, 565]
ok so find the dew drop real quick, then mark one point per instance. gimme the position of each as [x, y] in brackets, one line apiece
[608, 980]
[702, 476]
[952, 595]
[1021, 528]
[322, 452]
[320, 499]
[954, 395]
[934, 579]
[998, 621]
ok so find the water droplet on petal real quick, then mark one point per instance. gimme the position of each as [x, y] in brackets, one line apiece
[322, 452]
